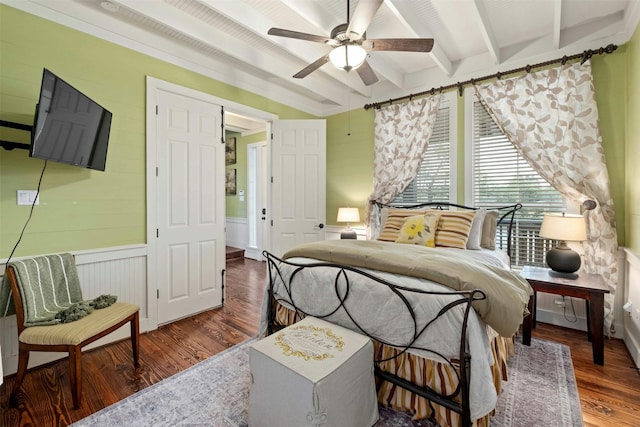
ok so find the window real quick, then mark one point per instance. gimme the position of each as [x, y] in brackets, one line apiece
[497, 175]
[435, 179]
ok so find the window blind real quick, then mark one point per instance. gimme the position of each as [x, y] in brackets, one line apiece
[501, 176]
[433, 181]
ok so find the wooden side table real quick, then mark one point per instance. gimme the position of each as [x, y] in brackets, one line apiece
[589, 287]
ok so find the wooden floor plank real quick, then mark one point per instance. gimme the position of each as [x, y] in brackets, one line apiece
[610, 394]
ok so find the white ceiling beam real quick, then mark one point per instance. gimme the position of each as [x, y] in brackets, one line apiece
[592, 30]
[440, 58]
[402, 11]
[484, 25]
[557, 23]
[198, 30]
[526, 49]
[255, 22]
[631, 18]
[316, 14]
[85, 17]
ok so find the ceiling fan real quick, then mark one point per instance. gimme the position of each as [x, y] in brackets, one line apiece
[350, 45]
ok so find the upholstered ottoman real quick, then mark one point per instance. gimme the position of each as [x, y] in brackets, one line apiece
[312, 373]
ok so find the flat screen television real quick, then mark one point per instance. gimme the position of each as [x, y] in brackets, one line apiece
[69, 127]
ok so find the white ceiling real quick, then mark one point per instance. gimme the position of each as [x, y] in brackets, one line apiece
[227, 40]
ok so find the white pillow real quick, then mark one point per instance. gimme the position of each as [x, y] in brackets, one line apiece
[489, 227]
[475, 235]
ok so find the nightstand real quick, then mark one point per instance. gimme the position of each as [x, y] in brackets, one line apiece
[589, 287]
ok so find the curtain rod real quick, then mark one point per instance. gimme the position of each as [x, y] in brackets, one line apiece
[587, 54]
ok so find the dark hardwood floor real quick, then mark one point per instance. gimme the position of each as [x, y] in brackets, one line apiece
[610, 394]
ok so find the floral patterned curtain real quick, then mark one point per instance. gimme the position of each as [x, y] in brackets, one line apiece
[551, 117]
[402, 133]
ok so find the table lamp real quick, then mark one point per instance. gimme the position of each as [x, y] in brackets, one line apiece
[348, 215]
[562, 260]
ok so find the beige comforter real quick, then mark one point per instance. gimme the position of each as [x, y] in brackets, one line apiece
[507, 292]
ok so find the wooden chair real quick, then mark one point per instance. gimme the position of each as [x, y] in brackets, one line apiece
[69, 337]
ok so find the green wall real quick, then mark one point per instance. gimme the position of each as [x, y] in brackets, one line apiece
[82, 209]
[610, 81]
[79, 208]
[632, 154]
[350, 159]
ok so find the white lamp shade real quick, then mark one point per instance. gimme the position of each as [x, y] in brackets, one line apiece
[570, 228]
[348, 215]
[348, 56]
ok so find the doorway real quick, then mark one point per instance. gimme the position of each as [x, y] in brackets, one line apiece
[177, 272]
[295, 195]
[190, 220]
[247, 209]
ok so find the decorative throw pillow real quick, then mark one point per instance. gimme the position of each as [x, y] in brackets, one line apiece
[419, 230]
[453, 228]
[475, 235]
[395, 218]
[489, 227]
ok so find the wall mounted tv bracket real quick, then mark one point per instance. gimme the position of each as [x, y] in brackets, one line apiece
[10, 145]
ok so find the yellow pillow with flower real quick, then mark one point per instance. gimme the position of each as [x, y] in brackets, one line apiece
[419, 230]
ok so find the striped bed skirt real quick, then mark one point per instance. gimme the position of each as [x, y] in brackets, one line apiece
[422, 372]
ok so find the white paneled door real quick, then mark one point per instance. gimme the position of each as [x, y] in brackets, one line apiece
[298, 169]
[190, 240]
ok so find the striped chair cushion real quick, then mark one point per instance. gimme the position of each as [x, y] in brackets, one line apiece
[454, 228]
[73, 333]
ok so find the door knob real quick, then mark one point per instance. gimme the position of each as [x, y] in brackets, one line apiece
[321, 226]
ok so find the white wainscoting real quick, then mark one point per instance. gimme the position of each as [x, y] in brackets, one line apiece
[632, 294]
[572, 315]
[332, 232]
[237, 232]
[120, 271]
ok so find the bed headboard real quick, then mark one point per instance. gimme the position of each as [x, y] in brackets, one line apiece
[506, 217]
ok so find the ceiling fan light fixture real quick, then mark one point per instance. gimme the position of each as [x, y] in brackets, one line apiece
[348, 57]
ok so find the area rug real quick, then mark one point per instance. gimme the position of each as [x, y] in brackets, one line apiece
[541, 391]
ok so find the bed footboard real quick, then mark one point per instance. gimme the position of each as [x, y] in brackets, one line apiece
[290, 286]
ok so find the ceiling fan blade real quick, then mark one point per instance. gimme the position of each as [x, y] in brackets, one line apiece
[312, 67]
[297, 35]
[362, 17]
[404, 45]
[366, 74]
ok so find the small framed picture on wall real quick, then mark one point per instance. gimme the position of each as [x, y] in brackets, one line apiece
[230, 151]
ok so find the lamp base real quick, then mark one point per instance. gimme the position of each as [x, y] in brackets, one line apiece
[559, 274]
[563, 261]
[348, 234]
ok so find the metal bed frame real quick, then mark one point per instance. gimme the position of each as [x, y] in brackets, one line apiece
[507, 215]
[342, 279]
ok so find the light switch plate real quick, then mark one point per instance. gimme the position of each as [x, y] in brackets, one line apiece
[26, 197]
